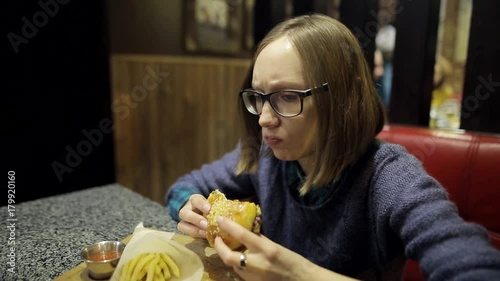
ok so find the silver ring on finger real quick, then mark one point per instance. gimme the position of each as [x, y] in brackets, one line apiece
[243, 261]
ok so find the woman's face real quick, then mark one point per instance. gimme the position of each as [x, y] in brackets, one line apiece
[278, 67]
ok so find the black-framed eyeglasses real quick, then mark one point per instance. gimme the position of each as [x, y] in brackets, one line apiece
[287, 103]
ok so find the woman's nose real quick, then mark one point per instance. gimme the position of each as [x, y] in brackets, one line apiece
[268, 118]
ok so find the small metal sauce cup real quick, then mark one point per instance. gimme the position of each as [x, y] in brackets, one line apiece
[99, 266]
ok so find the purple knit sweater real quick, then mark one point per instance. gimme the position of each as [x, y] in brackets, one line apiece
[384, 208]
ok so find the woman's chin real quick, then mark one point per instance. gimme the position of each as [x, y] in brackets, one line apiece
[283, 156]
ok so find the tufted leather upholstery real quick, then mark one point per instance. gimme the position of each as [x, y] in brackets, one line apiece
[467, 164]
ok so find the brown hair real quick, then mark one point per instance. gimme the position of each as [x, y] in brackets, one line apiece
[349, 116]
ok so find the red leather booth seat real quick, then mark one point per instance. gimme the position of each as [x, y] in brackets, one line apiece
[467, 164]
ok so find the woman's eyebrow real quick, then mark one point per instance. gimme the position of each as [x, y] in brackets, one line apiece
[293, 85]
[280, 85]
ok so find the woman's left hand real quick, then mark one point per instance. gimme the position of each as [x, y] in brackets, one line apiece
[265, 260]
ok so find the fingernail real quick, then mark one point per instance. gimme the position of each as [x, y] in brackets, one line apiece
[203, 223]
[202, 232]
[219, 219]
[206, 208]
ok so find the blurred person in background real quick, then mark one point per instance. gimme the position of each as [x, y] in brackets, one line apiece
[385, 42]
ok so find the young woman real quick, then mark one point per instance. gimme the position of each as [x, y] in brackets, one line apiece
[336, 202]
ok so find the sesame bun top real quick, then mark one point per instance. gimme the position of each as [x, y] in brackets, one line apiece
[246, 214]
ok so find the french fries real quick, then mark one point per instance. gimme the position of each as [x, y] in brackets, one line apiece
[150, 267]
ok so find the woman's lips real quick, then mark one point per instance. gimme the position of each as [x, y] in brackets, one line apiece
[272, 141]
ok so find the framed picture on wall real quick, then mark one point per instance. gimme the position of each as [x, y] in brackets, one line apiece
[218, 27]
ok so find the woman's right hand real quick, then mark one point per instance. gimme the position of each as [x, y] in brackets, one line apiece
[193, 223]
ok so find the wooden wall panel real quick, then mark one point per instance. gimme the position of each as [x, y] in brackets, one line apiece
[166, 129]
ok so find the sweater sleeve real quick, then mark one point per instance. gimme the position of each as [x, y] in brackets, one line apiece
[415, 207]
[216, 175]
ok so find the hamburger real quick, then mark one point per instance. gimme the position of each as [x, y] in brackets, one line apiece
[246, 214]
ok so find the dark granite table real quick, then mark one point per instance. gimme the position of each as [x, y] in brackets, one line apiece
[50, 232]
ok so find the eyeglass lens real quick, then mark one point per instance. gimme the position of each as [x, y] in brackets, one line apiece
[284, 103]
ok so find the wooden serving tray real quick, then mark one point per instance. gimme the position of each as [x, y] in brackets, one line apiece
[215, 269]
